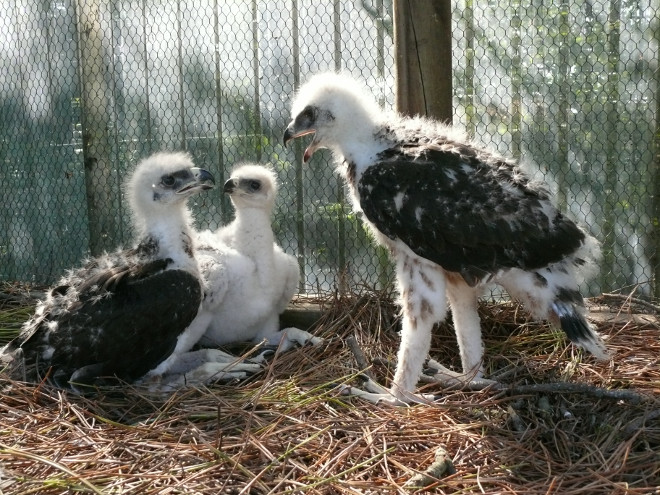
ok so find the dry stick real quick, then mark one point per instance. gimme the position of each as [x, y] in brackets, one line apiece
[441, 466]
[360, 358]
[637, 423]
[574, 388]
[546, 388]
[635, 300]
[549, 388]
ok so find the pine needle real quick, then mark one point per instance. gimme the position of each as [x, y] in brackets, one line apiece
[289, 429]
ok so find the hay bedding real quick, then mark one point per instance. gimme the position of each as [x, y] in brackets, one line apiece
[287, 430]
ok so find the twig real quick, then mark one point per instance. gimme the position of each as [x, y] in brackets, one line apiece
[441, 466]
[21, 299]
[635, 300]
[574, 388]
[359, 356]
[53, 464]
[636, 424]
[545, 388]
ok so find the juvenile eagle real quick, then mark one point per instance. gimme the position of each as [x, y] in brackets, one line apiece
[249, 278]
[123, 313]
[455, 217]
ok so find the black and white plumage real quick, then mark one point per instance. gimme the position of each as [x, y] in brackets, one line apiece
[455, 217]
[123, 313]
[249, 279]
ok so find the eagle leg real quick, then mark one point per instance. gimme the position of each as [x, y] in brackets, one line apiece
[422, 289]
[463, 300]
[282, 341]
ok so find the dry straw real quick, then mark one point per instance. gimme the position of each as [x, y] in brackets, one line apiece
[289, 429]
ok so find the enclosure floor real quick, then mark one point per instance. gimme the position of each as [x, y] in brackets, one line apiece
[588, 427]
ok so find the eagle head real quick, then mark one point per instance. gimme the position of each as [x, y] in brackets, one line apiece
[336, 110]
[164, 181]
[252, 186]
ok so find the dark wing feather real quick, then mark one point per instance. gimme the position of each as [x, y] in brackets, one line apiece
[466, 215]
[122, 330]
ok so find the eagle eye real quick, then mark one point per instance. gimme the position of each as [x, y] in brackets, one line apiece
[307, 116]
[168, 180]
[309, 112]
[254, 185]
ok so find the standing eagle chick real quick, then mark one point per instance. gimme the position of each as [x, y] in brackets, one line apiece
[122, 313]
[455, 217]
[249, 278]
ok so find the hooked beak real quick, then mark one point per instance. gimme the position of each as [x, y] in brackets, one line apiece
[288, 135]
[200, 180]
[291, 133]
[230, 186]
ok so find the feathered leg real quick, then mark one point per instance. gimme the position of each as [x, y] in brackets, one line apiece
[423, 303]
[190, 368]
[467, 325]
[284, 340]
[185, 342]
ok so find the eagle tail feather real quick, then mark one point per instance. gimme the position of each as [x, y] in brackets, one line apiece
[578, 329]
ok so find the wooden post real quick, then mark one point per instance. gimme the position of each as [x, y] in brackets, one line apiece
[100, 180]
[422, 40]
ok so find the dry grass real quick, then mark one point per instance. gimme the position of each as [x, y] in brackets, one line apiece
[288, 429]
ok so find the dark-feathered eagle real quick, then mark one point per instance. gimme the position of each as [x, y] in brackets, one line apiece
[455, 217]
[123, 313]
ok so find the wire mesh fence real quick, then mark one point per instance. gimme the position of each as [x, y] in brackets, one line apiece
[89, 87]
[572, 88]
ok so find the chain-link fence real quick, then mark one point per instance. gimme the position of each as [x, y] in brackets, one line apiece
[88, 87]
[572, 88]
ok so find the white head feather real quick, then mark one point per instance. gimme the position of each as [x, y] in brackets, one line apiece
[252, 189]
[339, 93]
[252, 186]
[343, 115]
[147, 195]
[157, 192]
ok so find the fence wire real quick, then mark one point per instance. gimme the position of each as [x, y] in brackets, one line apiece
[569, 87]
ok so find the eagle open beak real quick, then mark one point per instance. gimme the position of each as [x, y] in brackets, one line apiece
[290, 134]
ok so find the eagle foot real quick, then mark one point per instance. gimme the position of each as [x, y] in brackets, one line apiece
[291, 337]
[377, 394]
[434, 372]
[201, 367]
